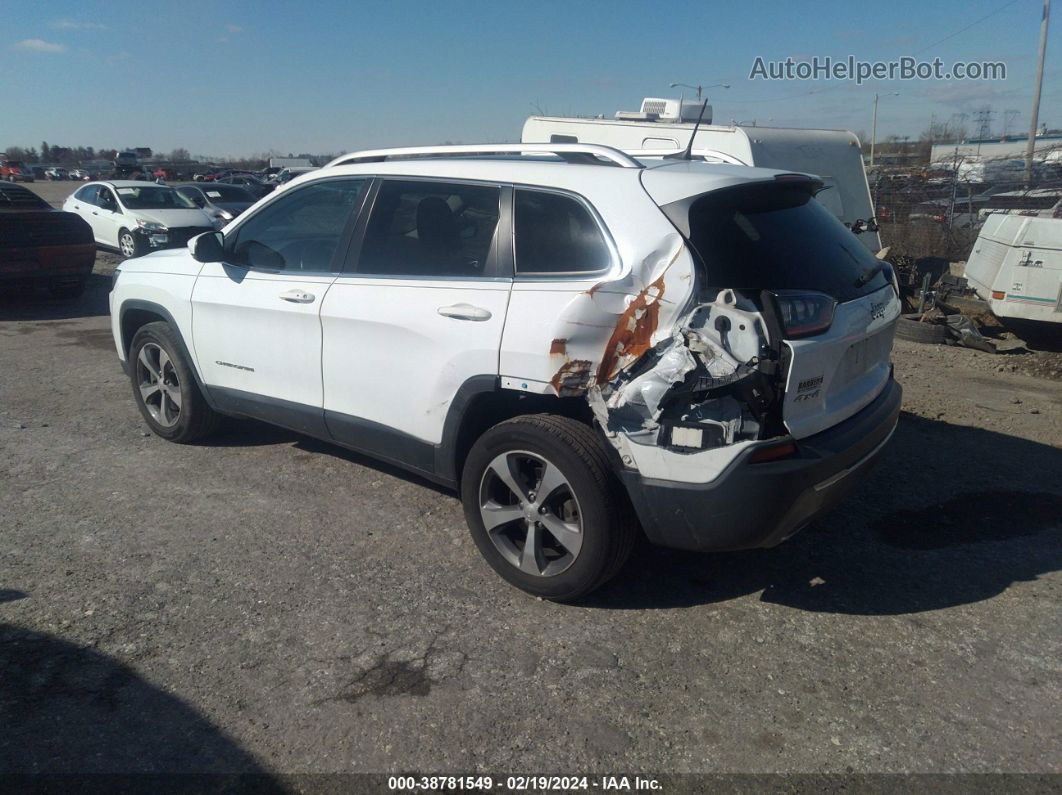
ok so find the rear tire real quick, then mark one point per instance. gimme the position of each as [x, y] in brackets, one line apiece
[165, 389]
[582, 527]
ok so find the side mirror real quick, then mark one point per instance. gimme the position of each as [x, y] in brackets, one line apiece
[207, 247]
[198, 200]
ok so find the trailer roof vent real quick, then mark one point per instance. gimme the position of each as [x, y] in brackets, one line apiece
[667, 110]
[657, 106]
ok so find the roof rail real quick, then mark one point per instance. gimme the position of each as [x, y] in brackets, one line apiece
[702, 154]
[585, 154]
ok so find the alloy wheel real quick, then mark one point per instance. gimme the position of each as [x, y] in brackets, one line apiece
[531, 513]
[127, 245]
[160, 389]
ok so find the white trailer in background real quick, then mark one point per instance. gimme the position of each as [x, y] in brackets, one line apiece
[1016, 266]
[665, 125]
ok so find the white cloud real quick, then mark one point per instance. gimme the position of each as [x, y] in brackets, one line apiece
[233, 28]
[73, 24]
[39, 45]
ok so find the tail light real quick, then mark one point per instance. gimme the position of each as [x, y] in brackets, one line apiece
[998, 296]
[772, 452]
[805, 313]
[890, 271]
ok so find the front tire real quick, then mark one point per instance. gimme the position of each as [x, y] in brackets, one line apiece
[129, 244]
[544, 508]
[165, 388]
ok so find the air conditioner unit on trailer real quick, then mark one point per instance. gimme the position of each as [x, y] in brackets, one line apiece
[668, 110]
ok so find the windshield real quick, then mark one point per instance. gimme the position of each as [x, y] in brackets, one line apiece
[775, 236]
[228, 193]
[153, 197]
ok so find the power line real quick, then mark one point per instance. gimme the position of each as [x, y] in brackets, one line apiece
[963, 30]
[801, 95]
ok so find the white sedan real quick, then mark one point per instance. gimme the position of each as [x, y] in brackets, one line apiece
[137, 217]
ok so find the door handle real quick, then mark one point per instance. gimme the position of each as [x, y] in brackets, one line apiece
[298, 297]
[464, 312]
[95, 213]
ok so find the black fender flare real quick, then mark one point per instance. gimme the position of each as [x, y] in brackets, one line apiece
[446, 450]
[161, 311]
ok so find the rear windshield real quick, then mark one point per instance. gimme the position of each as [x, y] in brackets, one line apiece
[777, 237]
[17, 196]
[228, 193]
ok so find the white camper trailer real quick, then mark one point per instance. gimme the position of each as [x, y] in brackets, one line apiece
[665, 125]
[1016, 266]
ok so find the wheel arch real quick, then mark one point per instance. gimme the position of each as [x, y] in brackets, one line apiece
[136, 313]
[479, 404]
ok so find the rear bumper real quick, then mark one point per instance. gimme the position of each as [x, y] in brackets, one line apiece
[47, 262]
[760, 505]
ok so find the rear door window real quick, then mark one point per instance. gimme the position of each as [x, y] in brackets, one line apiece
[556, 235]
[776, 237]
[430, 229]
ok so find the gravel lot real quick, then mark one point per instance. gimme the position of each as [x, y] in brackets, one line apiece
[270, 603]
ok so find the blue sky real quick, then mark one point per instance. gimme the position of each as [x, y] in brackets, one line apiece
[231, 78]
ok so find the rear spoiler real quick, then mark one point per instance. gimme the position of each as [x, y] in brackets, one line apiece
[678, 212]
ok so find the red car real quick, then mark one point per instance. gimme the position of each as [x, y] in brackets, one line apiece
[15, 171]
[42, 245]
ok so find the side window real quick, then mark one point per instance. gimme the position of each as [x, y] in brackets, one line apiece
[106, 200]
[299, 231]
[87, 194]
[430, 229]
[556, 234]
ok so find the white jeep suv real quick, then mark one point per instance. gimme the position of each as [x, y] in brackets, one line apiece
[582, 343]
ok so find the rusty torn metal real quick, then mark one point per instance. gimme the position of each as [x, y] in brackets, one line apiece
[572, 378]
[633, 333]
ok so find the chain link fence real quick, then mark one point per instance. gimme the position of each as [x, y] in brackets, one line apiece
[938, 210]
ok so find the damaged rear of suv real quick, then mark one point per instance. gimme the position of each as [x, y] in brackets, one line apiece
[582, 343]
[774, 389]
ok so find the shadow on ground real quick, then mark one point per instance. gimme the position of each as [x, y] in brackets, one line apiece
[951, 515]
[30, 304]
[252, 433]
[69, 710]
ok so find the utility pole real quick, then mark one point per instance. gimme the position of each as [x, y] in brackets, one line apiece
[874, 124]
[873, 130]
[1036, 96]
